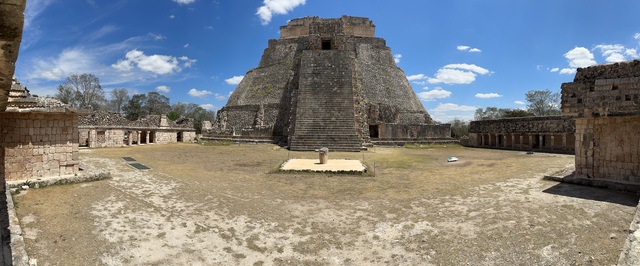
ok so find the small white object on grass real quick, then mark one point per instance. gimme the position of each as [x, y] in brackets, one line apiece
[452, 159]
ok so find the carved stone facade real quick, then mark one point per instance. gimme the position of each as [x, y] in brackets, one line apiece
[548, 134]
[108, 130]
[605, 100]
[326, 82]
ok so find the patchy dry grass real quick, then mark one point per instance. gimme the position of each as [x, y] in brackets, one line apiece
[220, 205]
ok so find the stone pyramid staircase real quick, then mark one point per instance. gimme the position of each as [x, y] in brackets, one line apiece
[325, 113]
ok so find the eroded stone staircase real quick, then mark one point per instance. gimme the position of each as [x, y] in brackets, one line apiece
[325, 113]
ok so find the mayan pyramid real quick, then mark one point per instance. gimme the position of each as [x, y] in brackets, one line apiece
[326, 83]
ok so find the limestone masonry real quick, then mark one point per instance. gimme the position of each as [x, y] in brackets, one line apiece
[549, 134]
[326, 83]
[605, 101]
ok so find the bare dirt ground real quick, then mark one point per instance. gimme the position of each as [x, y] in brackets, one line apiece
[218, 205]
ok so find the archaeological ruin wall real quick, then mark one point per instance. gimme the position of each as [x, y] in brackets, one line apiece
[326, 82]
[605, 101]
[109, 130]
[38, 137]
[547, 134]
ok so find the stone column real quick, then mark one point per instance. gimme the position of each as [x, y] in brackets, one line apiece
[138, 137]
[564, 141]
[129, 138]
[504, 141]
[553, 142]
[540, 140]
[530, 141]
[497, 141]
[146, 141]
[521, 142]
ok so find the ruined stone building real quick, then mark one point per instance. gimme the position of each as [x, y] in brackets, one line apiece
[107, 130]
[547, 134]
[327, 83]
[605, 102]
[38, 137]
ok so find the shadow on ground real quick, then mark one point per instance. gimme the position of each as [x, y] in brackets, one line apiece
[591, 193]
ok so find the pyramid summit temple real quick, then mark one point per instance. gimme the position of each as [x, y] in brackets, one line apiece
[327, 83]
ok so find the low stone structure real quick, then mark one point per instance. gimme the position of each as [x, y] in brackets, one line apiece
[326, 83]
[547, 134]
[605, 101]
[38, 137]
[108, 130]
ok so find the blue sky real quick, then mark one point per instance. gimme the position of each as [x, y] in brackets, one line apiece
[458, 54]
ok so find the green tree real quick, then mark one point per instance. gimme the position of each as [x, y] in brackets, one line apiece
[157, 104]
[543, 102]
[134, 109]
[459, 128]
[489, 113]
[193, 111]
[516, 113]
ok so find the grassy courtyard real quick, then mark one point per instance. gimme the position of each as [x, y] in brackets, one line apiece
[225, 204]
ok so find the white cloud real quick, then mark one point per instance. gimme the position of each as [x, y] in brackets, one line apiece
[568, 71]
[416, 77]
[445, 112]
[156, 64]
[187, 62]
[616, 52]
[488, 95]
[163, 89]
[208, 28]
[235, 80]
[219, 96]
[555, 69]
[69, 61]
[157, 37]
[397, 57]
[432, 95]
[637, 36]
[172, 16]
[519, 102]
[186, 45]
[184, 2]
[579, 57]
[458, 74]
[468, 49]
[209, 107]
[276, 7]
[196, 93]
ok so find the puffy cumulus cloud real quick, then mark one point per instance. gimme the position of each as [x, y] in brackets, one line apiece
[616, 52]
[432, 95]
[468, 49]
[458, 74]
[184, 2]
[163, 89]
[235, 80]
[197, 93]
[580, 57]
[397, 57]
[156, 64]
[416, 77]
[519, 102]
[445, 112]
[637, 36]
[488, 95]
[208, 106]
[276, 7]
[555, 69]
[576, 57]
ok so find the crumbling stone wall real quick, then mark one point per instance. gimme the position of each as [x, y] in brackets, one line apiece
[549, 134]
[38, 145]
[604, 99]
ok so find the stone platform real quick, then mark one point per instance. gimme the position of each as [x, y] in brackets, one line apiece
[333, 165]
